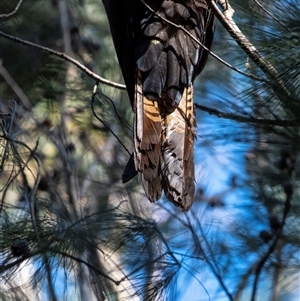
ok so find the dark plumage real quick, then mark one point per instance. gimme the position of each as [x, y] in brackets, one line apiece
[159, 63]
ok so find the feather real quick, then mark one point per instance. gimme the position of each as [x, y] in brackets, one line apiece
[169, 8]
[151, 25]
[182, 11]
[147, 142]
[155, 82]
[129, 171]
[159, 63]
[172, 86]
[178, 153]
[147, 61]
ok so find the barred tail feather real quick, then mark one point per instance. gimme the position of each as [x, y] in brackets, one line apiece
[178, 153]
[147, 142]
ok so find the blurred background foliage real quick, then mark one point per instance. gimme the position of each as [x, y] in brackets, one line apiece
[70, 230]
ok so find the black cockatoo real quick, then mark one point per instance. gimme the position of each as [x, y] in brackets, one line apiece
[159, 62]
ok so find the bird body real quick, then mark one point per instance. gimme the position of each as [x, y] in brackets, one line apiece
[156, 44]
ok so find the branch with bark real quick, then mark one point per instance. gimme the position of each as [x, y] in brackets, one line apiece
[67, 58]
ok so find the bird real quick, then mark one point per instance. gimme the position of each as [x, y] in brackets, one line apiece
[158, 49]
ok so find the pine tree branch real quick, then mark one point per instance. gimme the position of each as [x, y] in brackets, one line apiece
[289, 191]
[87, 264]
[209, 258]
[243, 119]
[244, 281]
[268, 12]
[252, 52]
[66, 58]
[32, 196]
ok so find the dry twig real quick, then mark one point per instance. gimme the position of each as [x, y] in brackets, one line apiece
[66, 58]
[2, 16]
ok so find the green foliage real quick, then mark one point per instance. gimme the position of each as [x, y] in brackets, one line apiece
[66, 219]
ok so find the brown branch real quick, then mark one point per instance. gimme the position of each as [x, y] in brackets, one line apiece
[267, 68]
[243, 119]
[13, 12]
[66, 58]
[15, 87]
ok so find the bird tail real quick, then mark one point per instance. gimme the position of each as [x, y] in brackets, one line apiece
[164, 147]
[178, 152]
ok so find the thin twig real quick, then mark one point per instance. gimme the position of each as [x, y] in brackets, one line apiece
[66, 58]
[33, 199]
[268, 13]
[37, 251]
[243, 119]
[15, 87]
[103, 122]
[206, 256]
[244, 281]
[288, 188]
[85, 263]
[13, 12]
[128, 125]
